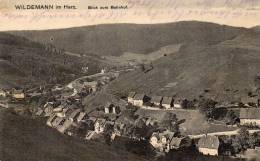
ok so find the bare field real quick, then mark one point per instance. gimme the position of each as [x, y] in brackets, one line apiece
[194, 124]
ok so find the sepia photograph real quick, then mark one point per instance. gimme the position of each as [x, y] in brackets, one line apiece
[130, 80]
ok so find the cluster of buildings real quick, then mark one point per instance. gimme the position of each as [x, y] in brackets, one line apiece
[18, 94]
[66, 114]
[142, 100]
[166, 140]
[251, 101]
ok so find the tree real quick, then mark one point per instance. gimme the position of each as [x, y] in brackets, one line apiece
[108, 133]
[231, 117]
[187, 104]
[207, 107]
[171, 123]
[141, 130]
[241, 141]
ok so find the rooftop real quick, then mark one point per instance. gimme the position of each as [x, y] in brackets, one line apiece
[250, 113]
[167, 100]
[131, 94]
[139, 96]
[156, 99]
[210, 142]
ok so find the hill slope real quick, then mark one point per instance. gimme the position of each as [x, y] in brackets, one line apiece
[29, 139]
[24, 62]
[115, 39]
[227, 71]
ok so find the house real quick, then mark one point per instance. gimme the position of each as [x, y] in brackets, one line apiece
[140, 99]
[157, 100]
[180, 142]
[251, 101]
[92, 86]
[59, 108]
[150, 121]
[130, 98]
[250, 116]
[2, 93]
[83, 116]
[48, 109]
[57, 121]
[64, 126]
[66, 112]
[177, 103]
[167, 102]
[90, 134]
[18, 94]
[74, 115]
[119, 129]
[99, 125]
[165, 141]
[109, 108]
[160, 140]
[209, 145]
[51, 119]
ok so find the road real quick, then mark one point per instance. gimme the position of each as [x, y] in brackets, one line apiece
[226, 133]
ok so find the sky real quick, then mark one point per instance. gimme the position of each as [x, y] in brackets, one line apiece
[243, 13]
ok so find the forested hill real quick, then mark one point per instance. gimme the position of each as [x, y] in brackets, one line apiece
[115, 39]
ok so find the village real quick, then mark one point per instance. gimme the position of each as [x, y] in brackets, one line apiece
[63, 109]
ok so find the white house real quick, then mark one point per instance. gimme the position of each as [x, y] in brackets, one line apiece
[63, 127]
[157, 100]
[51, 119]
[93, 86]
[82, 116]
[130, 98]
[209, 145]
[140, 99]
[18, 94]
[2, 93]
[109, 108]
[100, 125]
[250, 116]
[167, 102]
[177, 103]
[48, 109]
[165, 141]
[58, 121]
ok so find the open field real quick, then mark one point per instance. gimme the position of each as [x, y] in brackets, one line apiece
[194, 124]
[129, 58]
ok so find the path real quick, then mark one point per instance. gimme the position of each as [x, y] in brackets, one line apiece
[226, 133]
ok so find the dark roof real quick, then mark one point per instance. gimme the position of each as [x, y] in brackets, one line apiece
[18, 91]
[167, 100]
[175, 141]
[82, 115]
[250, 113]
[75, 113]
[131, 94]
[139, 96]
[157, 99]
[109, 105]
[210, 142]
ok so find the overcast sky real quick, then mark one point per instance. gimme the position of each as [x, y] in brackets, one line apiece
[244, 13]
